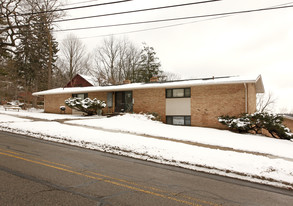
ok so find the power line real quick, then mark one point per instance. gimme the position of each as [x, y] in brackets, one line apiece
[125, 12]
[64, 5]
[291, 2]
[169, 26]
[79, 2]
[72, 8]
[155, 28]
[176, 19]
[139, 10]
[173, 19]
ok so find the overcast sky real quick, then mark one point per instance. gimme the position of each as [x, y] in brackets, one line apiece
[242, 44]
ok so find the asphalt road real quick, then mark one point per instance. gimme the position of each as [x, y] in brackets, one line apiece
[37, 172]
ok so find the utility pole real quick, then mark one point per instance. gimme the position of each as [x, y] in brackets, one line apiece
[50, 59]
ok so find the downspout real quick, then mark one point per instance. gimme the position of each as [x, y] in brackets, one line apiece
[246, 99]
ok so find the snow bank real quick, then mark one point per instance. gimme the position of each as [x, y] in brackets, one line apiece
[161, 151]
[242, 165]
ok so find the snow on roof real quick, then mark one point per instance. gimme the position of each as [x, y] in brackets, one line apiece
[90, 79]
[172, 84]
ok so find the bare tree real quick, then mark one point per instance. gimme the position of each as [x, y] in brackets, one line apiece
[9, 23]
[265, 102]
[115, 61]
[286, 110]
[169, 76]
[107, 61]
[73, 57]
[129, 58]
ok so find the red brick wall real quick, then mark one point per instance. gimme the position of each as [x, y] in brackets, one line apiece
[52, 103]
[211, 101]
[150, 100]
[288, 123]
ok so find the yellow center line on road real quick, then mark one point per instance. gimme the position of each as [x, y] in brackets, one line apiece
[36, 158]
[117, 182]
[155, 189]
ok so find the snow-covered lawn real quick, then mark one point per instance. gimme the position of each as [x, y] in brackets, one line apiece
[267, 160]
[141, 125]
[39, 114]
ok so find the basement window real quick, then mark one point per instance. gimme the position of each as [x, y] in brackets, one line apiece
[179, 120]
[178, 93]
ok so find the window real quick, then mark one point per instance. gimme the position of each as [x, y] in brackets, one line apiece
[82, 96]
[178, 93]
[178, 120]
[168, 93]
[110, 99]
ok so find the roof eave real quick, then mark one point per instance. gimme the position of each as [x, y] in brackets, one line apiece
[126, 87]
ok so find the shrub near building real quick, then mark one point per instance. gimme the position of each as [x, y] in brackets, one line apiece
[87, 105]
[258, 123]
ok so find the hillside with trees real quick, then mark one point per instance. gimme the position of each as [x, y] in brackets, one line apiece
[31, 59]
[28, 47]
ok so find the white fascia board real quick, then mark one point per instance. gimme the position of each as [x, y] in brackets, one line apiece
[134, 86]
[259, 85]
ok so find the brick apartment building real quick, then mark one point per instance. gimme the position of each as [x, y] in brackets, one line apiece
[195, 102]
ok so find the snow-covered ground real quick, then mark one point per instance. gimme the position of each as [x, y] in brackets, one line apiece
[250, 157]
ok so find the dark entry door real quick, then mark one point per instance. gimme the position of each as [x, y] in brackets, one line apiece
[123, 101]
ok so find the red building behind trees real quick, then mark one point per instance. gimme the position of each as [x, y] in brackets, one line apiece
[81, 81]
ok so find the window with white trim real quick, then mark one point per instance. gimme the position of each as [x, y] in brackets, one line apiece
[178, 120]
[82, 95]
[178, 93]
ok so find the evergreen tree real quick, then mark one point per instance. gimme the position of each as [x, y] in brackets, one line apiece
[46, 49]
[26, 57]
[37, 50]
[149, 65]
